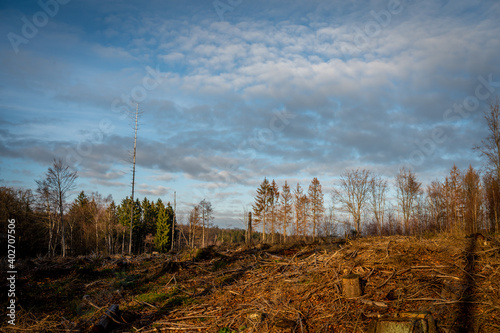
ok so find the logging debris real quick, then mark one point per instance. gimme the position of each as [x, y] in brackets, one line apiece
[281, 288]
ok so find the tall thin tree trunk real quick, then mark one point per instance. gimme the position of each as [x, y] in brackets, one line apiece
[96, 238]
[264, 226]
[133, 181]
[123, 241]
[63, 237]
[173, 222]
[314, 225]
[272, 223]
[51, 228]
[249, 228]
[203, 231]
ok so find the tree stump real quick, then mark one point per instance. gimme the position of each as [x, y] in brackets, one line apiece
[109, 321]
[351, 285]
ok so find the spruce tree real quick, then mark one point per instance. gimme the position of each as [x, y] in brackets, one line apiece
[285, 208]
[261, 205]
[164, 223]
[316, 204]
[273, 203]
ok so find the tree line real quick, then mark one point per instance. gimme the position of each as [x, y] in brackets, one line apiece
[362, 202]
[280, 212]
[465, 200]
[47, 224]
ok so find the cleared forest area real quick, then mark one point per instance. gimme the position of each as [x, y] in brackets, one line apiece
[285, 288]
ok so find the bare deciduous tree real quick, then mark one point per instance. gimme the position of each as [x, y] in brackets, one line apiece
[353, 192]
[436, 203]
[492, 200]
[378, 189]
[408, 189]
[47, 201]
[206, 212]
[472, 199]
[489, 148]
[59, 180]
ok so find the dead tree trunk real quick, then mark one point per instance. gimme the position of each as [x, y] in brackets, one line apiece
[249, 228]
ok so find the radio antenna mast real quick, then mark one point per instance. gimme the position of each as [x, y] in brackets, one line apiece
[133, 180]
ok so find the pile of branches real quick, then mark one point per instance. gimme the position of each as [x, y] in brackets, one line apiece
[298, 288]
[456, 279]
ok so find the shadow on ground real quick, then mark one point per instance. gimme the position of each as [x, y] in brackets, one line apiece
[464, 321]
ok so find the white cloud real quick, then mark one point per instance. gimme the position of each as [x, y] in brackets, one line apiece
[151, 190]
[210, 120]
[173, 57]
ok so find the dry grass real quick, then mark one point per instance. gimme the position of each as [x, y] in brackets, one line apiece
[279, 289]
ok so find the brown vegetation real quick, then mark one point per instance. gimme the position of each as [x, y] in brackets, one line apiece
[283, 288]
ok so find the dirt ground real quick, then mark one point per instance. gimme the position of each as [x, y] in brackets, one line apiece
[294, 287]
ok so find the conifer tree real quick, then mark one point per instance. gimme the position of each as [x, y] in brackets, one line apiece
[285, 209]
[111, 226]
[80, 223]
[300, 204]
[261, 205]
[149, 216]
[274, 203]
[124, 216]
[164, 224]
[316, 201]
[454, 182]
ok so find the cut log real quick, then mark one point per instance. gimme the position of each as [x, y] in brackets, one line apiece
[109, 321]
[351, 285]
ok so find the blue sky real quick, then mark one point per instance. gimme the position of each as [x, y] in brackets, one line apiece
[233, 91]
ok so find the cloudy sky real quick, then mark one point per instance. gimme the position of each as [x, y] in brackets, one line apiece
[232, 91]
